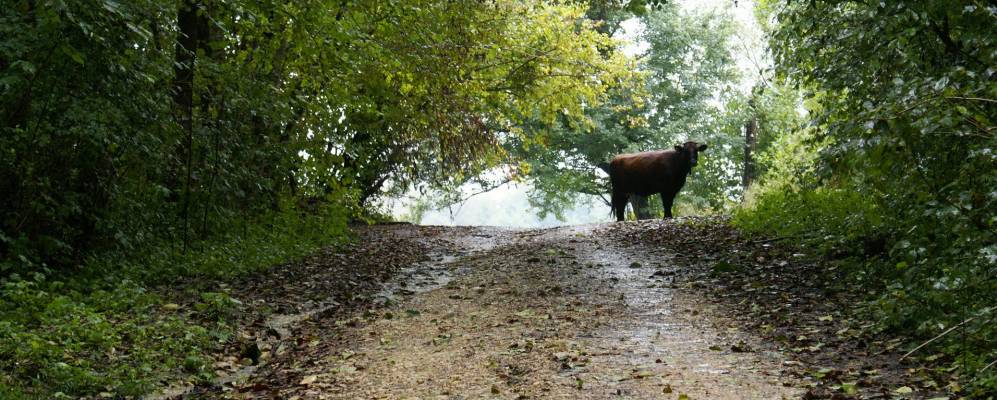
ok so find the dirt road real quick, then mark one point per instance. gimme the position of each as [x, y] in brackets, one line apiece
[564, 313]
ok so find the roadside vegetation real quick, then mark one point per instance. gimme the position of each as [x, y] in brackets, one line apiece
[893, 175]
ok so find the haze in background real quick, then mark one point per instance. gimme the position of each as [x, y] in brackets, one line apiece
[508, 205]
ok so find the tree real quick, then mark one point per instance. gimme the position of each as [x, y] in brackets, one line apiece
[127, 124]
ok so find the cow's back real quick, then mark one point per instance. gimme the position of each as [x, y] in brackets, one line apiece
[639, 172]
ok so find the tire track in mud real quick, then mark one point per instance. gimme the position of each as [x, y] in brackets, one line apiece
[547, 314]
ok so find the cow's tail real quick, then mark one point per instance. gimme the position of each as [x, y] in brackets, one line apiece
[617, 200]
[614, 207]
[612, 185]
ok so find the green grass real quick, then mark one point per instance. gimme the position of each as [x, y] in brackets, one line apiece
[108, 328]
[838, 217]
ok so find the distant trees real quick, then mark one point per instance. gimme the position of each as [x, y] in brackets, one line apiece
[687, 78]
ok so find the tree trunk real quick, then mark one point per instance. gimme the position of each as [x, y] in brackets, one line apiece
[183, 68]
[750, 137]
[189, 35]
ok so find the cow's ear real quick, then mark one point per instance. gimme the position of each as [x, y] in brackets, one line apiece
[701, 147]
[678, 148]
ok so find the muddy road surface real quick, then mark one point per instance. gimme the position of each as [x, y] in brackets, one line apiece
[563, 313]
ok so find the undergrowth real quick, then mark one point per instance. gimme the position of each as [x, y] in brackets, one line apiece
[924, 275]
[109, 330]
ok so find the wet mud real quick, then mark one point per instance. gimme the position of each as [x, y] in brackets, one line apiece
[561, 313]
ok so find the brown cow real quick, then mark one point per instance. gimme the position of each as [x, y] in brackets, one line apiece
[651, 172]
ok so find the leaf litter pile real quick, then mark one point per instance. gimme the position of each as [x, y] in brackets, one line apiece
[791, 300]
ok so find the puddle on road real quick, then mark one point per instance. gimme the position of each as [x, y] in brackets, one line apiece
[652, 331]
[417, 278]
[439, 270]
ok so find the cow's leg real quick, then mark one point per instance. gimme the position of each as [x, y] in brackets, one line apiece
[640, 206]
[666, 202]
[619, 204]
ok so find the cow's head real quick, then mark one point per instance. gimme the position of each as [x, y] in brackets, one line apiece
[691, 151]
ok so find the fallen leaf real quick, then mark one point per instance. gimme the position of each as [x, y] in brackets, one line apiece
[641, 374]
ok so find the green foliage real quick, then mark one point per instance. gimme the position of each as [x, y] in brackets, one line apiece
[130, 124]
[248, 247]
[788, 202]
[776, 109]
[442, 81]
[901, 144]
[570, 160]
[59, 63]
